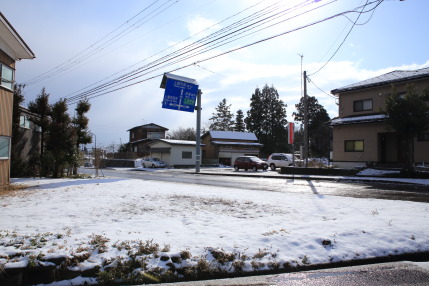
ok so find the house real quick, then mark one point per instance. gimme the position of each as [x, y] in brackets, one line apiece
[174, 153]
[360, 133]
[29, 139]
[12, 49]
[142, 136]
[222, 147]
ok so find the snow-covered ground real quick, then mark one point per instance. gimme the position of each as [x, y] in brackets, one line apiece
[164, 225]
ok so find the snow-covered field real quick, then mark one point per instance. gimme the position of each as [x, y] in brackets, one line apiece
[159, 226]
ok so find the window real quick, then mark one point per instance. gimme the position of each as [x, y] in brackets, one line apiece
[186, 155]
[362, 105]
[154, 135]
[248, 148]
[353, 145]
[423, 136]
[24, 122]
[4, 147]
[6, 76]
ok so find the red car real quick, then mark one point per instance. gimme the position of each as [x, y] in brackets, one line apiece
[250, 162]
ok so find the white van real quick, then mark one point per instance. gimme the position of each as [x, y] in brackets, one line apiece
[282, 160]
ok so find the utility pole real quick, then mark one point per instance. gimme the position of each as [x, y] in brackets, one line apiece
[198, 133]
[305, 120]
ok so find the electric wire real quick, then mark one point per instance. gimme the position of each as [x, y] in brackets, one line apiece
[157, 67]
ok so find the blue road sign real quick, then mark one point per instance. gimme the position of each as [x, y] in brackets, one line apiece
[179, 95]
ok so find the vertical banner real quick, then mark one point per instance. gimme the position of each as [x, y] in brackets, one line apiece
[290, 132]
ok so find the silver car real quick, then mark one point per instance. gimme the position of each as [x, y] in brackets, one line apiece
[151, 162]
[282, 160]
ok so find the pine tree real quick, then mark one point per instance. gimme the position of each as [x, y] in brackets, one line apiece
[41, 107]
[267, 119]
[408, 114]
[239, 125]
[222, 118]
[318, 131]
[61, 141]
[80, 125]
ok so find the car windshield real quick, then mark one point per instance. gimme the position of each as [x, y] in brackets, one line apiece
[155, 159]
[255, 159]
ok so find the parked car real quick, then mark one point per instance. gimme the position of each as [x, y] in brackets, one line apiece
[250, 162]
[282, 160]
[87, 165]
[151, 162]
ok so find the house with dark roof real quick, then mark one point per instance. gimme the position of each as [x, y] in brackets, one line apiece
[360, 132]
[223, 147]
[142, 136]
[12, 49]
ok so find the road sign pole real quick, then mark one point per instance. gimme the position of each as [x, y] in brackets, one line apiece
[198, 134]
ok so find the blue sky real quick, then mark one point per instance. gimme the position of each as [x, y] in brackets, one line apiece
[391, 38]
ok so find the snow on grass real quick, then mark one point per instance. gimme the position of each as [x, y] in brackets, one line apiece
[98, 220]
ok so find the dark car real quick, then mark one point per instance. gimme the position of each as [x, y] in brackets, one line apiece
[249, 162]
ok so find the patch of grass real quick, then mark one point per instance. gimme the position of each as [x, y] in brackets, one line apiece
[260, 254]
[221, 256]
[374, 212]
[10, 190]
[148, 247]
[99, 242]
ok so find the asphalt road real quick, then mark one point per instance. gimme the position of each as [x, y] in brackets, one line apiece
[275, 182]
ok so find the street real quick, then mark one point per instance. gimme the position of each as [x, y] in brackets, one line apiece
[275, 182]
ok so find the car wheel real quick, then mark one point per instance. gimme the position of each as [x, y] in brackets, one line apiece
[236, 167]
[273, 167]
[144, 166]
[245, 170]
[255, 168]
[153, 166]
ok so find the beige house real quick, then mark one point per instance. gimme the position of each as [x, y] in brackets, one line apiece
[223, 147]
[174, 153]
[12, 49]
[360, 133]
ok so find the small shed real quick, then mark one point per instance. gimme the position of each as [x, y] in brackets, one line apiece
[175, 153]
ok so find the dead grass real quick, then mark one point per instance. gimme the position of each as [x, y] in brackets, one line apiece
[11, 190]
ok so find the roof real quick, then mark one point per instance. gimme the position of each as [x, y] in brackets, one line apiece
[232, 135]
[357, 120]
[149, 126]
[236, 143]
[178, 142]
[388, 78]
[11, 42]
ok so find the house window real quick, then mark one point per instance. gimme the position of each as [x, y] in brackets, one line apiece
[423, 136]
[6, 76]
[37, 128]
[154, 135]
[24, 122]
[362, 105]
[4, 147]
[132, 135]
[186, 155]
[227, 146]
[248, 148]
[353, 146]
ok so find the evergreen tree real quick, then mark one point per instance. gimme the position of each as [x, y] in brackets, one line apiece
[239, 125]
[80, 124]
[267, 119]
[222, 118]
[61, 141]
[408, 114]
[18, 99]
[318, 132]
[41, 107]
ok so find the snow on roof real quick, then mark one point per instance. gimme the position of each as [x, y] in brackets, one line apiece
[233, 135]
[237, 143]
[358, 119]
[178, 142]
[391, 77]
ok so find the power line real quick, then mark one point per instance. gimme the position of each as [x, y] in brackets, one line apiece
[157, 66]
[100, 44]
[204, 46]
[345, 38]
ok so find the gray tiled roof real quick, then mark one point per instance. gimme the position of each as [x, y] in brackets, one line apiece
[232, 135]
[391, 77]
